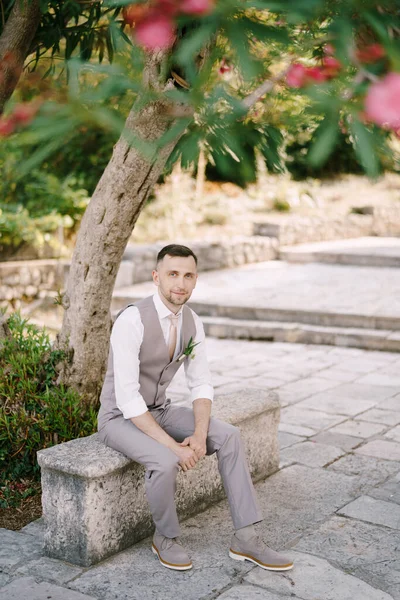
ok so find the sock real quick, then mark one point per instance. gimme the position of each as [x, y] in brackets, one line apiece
[244, 534]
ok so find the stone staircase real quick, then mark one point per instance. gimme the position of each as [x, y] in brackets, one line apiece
[320, 294]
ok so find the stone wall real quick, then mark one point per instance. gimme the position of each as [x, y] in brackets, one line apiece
[139, 261]
[25, 279]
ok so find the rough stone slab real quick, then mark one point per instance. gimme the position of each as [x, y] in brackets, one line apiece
[391, 403]
[17, 547]
[296, 430]
[373, 511]
[314, 578]
[390, 490]
[4, 579]
[331, 438]
[316, 419]
[304, 388]
[380, 449]
[136, 573]
[337, 402]
[288, 439]
[285, 501]
[393, 434]
[337, 374]
[310, 454]
[361, 429]
[298, 498]
[48, 569]
[367, 470]
[248, 592]
[377, 415]
[87, 503]
[367, 551]
[361, 365]
[380, 379]
[26, 587]
[34, 528]
[351, 543]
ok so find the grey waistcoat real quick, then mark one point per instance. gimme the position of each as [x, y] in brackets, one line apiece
[156, 370]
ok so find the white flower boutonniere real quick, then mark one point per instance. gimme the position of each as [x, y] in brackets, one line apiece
[188, 351]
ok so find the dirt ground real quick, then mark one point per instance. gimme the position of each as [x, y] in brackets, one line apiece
[15, 518]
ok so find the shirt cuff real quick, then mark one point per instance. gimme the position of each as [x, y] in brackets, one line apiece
[202, 391]
[130, 412]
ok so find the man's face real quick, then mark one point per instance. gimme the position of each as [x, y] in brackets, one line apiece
[176, 278]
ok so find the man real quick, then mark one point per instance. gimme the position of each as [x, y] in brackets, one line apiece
[149, 342]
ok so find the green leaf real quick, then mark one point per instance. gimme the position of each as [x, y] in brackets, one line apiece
[250, 67]
[326, 137]
[263, 32]
[191, 44]
[364, 148]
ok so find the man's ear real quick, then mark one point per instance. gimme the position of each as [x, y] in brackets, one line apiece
[155, 277]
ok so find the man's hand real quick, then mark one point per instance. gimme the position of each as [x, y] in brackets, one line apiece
[197, 443]
[187, 457]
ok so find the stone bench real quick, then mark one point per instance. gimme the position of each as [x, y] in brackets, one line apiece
[93, 497]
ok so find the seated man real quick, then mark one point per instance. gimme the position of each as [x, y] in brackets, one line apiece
[150, 340]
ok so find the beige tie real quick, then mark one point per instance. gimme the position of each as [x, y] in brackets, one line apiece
[173, 334]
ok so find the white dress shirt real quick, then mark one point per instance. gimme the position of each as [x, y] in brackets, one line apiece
[126, 339]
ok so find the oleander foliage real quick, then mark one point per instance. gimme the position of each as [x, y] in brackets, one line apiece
[35, 412]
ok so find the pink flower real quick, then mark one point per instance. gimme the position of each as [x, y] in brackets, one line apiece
[331, 66]
[329, 50]
[296, 75]
[370, 54]
[168, 7]
[382, 103]
[155, 31]
[315, 74]
[196, 7]
[134, 13]
[299, 76]
[224, 67]
[24, 113]
[7, 126]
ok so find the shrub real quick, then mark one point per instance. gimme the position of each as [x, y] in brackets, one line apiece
[35, 412]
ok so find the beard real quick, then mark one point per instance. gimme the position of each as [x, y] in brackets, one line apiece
[174, 299]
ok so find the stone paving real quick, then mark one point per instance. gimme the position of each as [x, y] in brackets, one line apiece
[334, 504]
[371, 251]
[314, 288]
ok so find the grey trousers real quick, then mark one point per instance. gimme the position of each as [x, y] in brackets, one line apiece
[162, 464]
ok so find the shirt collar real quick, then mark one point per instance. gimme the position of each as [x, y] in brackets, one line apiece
[162, 310]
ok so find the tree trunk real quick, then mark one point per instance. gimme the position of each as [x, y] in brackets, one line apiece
[104, 232]
[15, 42]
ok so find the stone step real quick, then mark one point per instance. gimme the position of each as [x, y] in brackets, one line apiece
[366, 252]
[302, 333]
[94, 501]
[261, 314]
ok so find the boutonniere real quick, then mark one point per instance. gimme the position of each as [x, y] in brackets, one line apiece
[188, 351]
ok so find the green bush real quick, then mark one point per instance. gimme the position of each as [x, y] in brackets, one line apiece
[35, 412]
[35, 206]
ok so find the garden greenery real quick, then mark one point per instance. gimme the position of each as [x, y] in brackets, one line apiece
[35, 412]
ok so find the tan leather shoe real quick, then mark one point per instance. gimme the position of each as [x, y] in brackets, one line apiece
[171, 553]
[257, 552]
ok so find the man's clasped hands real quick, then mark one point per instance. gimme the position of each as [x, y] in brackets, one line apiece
[191, 450]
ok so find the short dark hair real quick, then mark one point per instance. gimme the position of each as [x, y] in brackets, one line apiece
[175, 250]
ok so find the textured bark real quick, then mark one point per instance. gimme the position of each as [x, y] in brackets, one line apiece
[104, 232]
[15, 42]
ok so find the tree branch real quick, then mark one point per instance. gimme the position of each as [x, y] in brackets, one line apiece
[264, 88]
